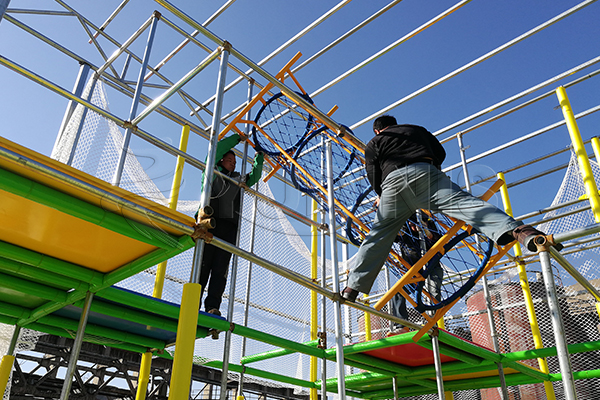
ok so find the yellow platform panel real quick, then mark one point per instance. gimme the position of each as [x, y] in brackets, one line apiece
[81, 194]
[45, 230]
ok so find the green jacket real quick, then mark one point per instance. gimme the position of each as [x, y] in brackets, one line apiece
[225, 196]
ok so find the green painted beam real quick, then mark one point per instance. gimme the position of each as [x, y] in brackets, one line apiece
[52, 330]
[452, 368]
[453, 352]
[49, 264]
[41, 276]
[273, 353]
[140, 317]
[172, 311]
[31, 288]
[14, 311]
[551, 351]
[262, 374]
[126, 271]
[491, 356]
[103, 332]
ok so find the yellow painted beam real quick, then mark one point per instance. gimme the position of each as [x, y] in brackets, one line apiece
[524, 281]
[582, 158]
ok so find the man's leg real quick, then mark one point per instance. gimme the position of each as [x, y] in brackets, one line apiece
[218, 280]
[448, 198]
[434, 280]
[391, 215]
[219, 266]
[205, 266]
[398, 309]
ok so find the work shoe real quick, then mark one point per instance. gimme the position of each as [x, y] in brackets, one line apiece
[214, 311]
[530, 237]
[349, 294]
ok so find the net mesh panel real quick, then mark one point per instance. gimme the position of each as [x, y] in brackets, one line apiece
[280, 307]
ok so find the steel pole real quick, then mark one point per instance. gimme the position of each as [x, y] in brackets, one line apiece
[240, 391]
[437, 361]
[211, 160]
[337, 312]
[82, 75]
[3, 7]
[81, 122]
[486, 291]
[176, 86]
[323, 309]
[559, 330]
[232, 281]
[136, 100]
[85, 312]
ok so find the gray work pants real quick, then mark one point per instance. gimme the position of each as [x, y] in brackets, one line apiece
[413, 187]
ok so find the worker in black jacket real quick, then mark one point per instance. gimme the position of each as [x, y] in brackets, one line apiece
[403, 166]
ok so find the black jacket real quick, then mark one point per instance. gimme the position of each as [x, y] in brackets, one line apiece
[398, 146]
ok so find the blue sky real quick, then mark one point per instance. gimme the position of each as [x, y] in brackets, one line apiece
[31, 115]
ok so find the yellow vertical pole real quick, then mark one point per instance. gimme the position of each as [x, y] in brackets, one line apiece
[367, 322]
[144, 376]
[181, 374]
[582, 158]
[159, 281]
[314, 327]
[5, 368]
[533, 323]
[161, 269]
[596, 148]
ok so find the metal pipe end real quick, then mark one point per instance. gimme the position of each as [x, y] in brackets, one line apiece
[205, 212]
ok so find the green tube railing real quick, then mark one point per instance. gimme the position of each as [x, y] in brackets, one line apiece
[172, 311]
[13, 311]
[49, 308]
[51, 264]
[262, 374]
[32, 288]
[580, 375]
[80, 209]
[211, 322]
[273, 353]
[40, 275]
[490, 356]
[155, 321]
[453, 352]
[452, 368]
[551, 351]
[104, 332]
[56, 331]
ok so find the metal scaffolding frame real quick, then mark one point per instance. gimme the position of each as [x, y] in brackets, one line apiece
[107, 74]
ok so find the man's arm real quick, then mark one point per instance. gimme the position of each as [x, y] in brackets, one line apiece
[372, 167]
[226, 144]
[256, 173]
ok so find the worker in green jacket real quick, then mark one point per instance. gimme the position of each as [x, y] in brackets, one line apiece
[225, 201]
